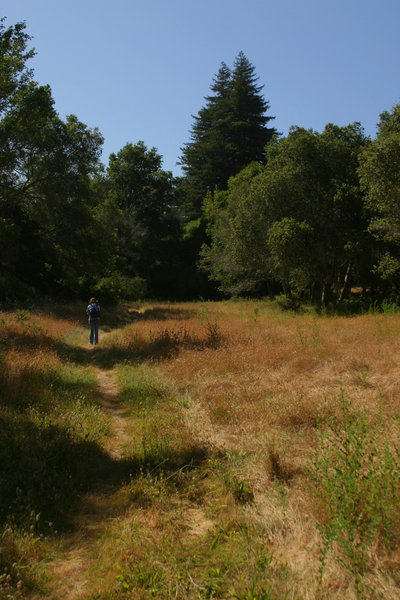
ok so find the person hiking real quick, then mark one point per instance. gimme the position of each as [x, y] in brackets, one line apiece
[93, 313]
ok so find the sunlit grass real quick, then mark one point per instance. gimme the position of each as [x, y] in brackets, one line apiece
[212, 495]
[263, 389]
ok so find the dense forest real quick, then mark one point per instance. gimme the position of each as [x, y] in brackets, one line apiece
[310, 215]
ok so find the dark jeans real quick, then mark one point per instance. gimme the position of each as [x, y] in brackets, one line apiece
[94, 330]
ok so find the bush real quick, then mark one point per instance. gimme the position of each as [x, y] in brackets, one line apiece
[355, 477]
[118, 287]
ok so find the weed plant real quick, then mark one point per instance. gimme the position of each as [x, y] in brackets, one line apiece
[356, 480]
[158, 444]
[309, 339]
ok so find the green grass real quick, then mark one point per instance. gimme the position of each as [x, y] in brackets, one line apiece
[141, 389]
[231, 561]
[51, 428]
[355, 477]
[51, 431]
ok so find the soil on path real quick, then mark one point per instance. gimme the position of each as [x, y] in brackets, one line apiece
[70, 570]
[120, 437]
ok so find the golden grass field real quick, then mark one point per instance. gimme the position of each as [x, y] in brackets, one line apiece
[207, 493]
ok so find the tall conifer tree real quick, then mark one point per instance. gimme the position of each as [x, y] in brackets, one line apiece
[228, 133]
[249, 131]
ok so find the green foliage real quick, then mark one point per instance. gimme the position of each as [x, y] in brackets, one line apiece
[118, 287]
[311, 214]
[309, 337]
[148, 227]
[380, 179]
[355, 478]
[299, 220]
[229, 132]
[144, 577]
[240, 488]
[256, 593]
[290, 246]
[236, 256]
[389, 307]
[363, 375]
[14, 56]
[379, 172]
[54, 229]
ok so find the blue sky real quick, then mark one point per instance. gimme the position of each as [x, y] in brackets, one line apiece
[138, 69]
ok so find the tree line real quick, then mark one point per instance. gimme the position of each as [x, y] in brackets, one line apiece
[309, 214]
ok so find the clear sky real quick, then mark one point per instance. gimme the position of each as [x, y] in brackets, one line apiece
[138, 69]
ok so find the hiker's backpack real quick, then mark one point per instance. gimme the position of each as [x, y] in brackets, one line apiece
[94, 311]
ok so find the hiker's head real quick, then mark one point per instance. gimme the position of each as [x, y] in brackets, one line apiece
[92, 301]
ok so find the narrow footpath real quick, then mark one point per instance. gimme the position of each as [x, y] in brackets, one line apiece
[75, 571]
[75, 558]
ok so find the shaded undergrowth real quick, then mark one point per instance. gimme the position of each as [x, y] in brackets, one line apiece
[117, 316]
[51, 429]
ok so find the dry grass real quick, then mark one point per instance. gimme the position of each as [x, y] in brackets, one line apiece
[260, 389]
[224, 399]
[272, 372]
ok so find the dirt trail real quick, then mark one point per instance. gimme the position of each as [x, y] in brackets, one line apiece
[70, 572]
[73, 567]
[119, 438]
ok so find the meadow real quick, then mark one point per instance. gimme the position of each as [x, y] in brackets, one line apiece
[203, 450]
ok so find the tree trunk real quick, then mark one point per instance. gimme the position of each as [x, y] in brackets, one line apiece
[345, 283]
[323, 293]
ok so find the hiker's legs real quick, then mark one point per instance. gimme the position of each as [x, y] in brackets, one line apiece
[91, 333]
[96, 331]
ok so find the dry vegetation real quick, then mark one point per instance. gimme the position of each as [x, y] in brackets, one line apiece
[212, 495]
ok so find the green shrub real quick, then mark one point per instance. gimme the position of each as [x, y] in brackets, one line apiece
[355, 477]
[117, 287]
[390, 307]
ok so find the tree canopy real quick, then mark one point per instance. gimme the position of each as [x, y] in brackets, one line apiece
[380, 178]
[49, 220]
[229, 132]
[299, 220]
[149, 227]
[310, 214]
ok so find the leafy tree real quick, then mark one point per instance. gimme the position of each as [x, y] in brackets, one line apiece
[149, 227]
[299, 219]
[380, 178]
[13, 58]
[228, 133]
[55, 237]
[235, 258]
[290, 244]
